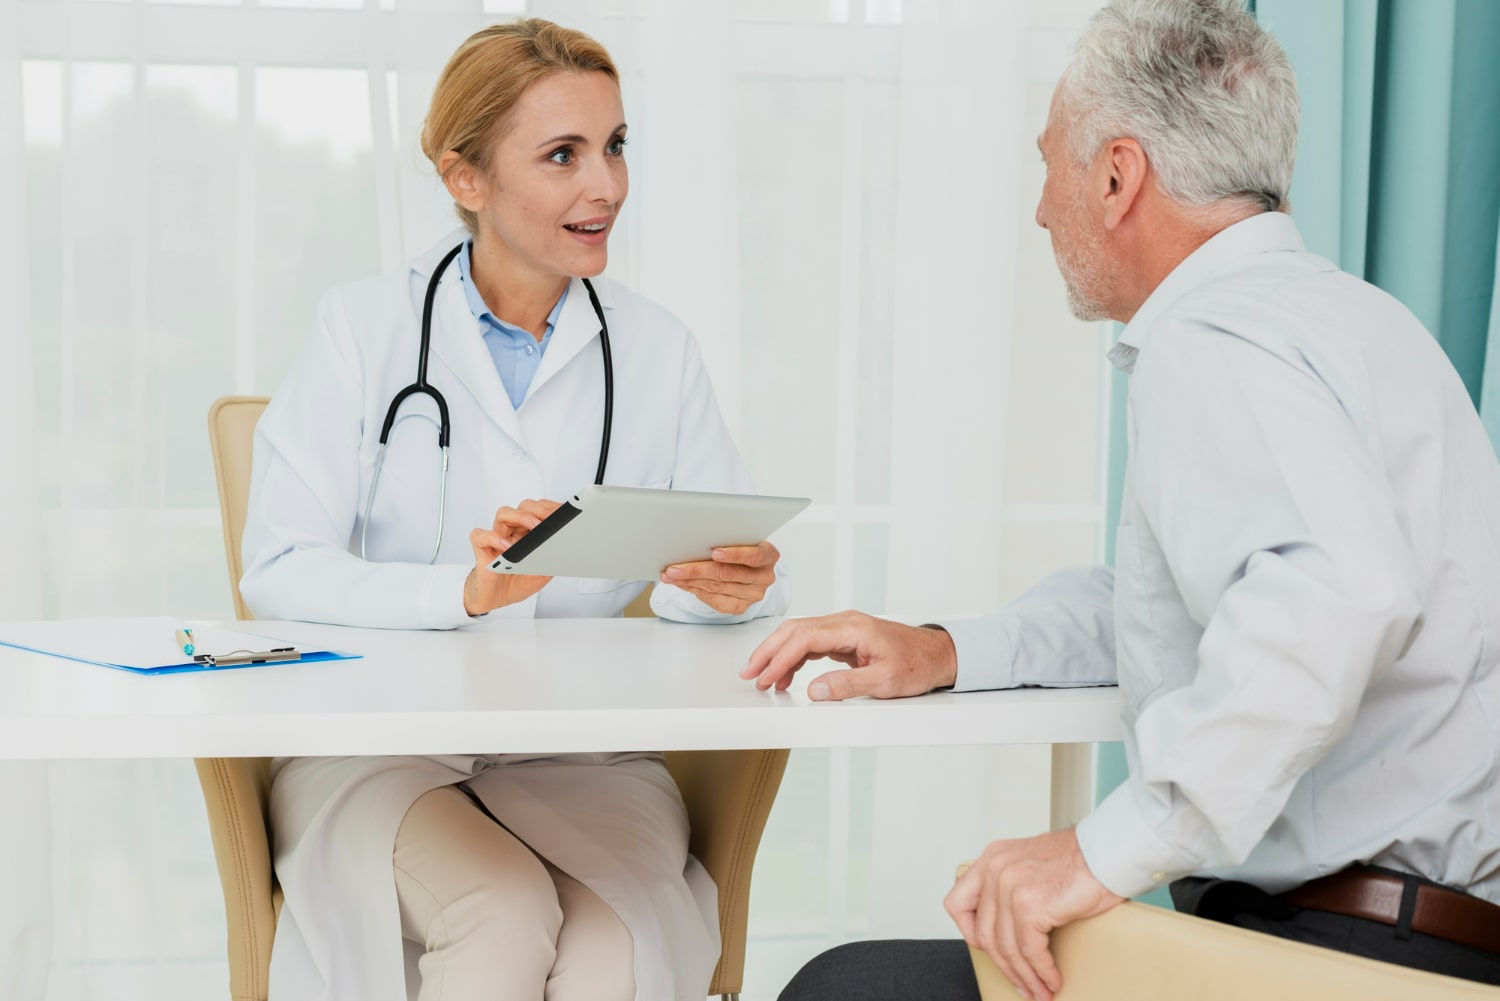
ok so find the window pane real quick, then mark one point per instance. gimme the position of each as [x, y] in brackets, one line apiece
[792, 10]
[42, 124]
[315, 203]
[102, 464]
[320, 4]
[789, 303]
[194, 250]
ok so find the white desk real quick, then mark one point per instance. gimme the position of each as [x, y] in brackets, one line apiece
[527, 685]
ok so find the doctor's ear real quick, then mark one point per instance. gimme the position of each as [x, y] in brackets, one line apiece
[462, 180]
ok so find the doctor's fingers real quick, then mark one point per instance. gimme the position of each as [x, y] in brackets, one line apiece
[525, 515]
[487, 544]
[762, 555]
[728, 604]
[511, 520]
[748, 590]
[708, 573]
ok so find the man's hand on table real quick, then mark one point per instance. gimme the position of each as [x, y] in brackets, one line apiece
[1014, 894]
[890, 660]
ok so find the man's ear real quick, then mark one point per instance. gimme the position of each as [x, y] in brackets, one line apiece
[1121, 170]
[461, 179]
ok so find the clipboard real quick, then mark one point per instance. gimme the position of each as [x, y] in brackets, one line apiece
[148, 645]
[633, 533]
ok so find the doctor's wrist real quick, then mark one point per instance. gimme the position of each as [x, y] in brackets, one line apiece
[472, 606]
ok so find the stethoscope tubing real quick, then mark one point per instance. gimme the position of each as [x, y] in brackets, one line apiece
[422, 388]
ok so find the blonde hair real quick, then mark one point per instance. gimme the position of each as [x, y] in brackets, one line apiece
[479, 88]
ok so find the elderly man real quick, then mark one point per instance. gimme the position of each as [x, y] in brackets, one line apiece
[1304, 615]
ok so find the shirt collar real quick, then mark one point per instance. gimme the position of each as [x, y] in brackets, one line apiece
[1268, 232]
[482, 312]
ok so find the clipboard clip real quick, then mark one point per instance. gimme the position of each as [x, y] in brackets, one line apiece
[271, 656]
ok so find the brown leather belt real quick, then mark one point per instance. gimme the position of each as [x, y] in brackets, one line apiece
[1374, 895]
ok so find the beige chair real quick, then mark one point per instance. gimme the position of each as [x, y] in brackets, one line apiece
[728, 793]
[1141, 953]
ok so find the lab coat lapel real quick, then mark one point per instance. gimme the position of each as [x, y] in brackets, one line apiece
[459, 345]
[576, 327]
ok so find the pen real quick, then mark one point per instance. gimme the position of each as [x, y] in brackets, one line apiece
[185, 640]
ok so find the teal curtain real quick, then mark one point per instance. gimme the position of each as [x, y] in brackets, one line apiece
[1398, 180]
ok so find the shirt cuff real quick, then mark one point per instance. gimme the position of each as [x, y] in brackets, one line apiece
[1124, 852]
[986, 654]
[442, 600]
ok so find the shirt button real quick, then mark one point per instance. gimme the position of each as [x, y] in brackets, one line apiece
[1157, 877]
[530, 350]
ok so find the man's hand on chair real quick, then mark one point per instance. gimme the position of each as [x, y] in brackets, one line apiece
[1014, 894]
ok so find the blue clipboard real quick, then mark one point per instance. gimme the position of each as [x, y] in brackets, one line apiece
[148, 645]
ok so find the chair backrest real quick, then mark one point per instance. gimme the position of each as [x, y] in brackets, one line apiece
[231, 432]
[1136, 952]
[237, 791]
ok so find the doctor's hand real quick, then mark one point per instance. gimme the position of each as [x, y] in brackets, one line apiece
[1010, 899]
[736, 578]
[890, 661]
[485, 591]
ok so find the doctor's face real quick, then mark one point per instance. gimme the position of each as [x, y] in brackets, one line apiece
[557, 177]
[1077, 230]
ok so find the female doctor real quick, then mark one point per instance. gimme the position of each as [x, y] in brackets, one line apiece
[507, 876]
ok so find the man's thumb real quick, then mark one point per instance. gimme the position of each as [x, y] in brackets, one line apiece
[835, 686]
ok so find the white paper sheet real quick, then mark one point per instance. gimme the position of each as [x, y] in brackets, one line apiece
[136, 644]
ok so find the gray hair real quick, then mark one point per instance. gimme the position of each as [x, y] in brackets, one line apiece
[1207, 92]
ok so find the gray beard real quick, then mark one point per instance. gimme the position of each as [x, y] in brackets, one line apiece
[1083, 306]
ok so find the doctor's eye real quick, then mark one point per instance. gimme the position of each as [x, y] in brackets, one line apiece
[562, 155]
[616, 146]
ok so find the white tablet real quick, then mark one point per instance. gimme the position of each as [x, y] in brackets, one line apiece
[633, 533]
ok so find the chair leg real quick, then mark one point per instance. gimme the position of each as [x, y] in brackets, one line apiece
[729, 997]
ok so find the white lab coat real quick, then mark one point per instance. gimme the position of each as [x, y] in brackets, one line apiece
[615, 822]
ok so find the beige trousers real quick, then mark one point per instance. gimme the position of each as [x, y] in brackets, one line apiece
[499, 923]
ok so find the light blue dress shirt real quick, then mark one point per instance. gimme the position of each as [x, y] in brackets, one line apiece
[516, 353]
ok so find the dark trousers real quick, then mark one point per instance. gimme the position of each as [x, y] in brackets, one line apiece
[941, 971]
[1249, 907]
[905, 970]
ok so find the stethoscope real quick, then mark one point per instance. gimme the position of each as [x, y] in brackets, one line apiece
[421, 388]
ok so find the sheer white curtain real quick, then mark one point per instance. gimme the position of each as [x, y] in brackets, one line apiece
[835, 194]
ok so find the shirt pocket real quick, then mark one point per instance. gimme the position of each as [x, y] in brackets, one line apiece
[1139, 667]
